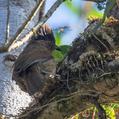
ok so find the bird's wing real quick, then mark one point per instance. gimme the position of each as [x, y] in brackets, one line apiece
[38, 78]
[28, 58]
[36, 50]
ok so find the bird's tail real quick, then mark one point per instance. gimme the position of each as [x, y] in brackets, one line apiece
[44, 33]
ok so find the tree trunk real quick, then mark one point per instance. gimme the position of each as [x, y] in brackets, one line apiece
[13, 13]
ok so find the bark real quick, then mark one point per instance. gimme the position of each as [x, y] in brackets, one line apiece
[12, 99]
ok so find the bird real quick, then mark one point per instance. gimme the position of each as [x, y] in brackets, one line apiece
[35, 68]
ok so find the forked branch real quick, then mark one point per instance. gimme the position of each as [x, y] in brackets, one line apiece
[6, 47]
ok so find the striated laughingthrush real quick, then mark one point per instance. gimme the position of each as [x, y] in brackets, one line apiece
[35, 67]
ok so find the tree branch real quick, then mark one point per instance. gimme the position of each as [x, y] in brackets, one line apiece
[7, 22]
[23, 26]
[8, 46]
[41, 22]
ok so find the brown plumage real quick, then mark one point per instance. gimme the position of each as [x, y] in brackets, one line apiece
[35, 65]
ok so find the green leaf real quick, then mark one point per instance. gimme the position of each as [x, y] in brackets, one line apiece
[110, 112]
[57, 55]
[95, 13]
[58, 38]
[73, 8]
[64, 49]
[115, 105]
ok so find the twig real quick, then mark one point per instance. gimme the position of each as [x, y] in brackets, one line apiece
[68, 97]
[7, 22]
[105, 74]
[39, 108]
[99, 40]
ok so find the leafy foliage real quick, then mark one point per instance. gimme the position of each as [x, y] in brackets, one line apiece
[110, 109]
[57, 55]
[94, 13]
[60, 54]
[110, 112]
[63, 49]
[74, 9]
[58, 38]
